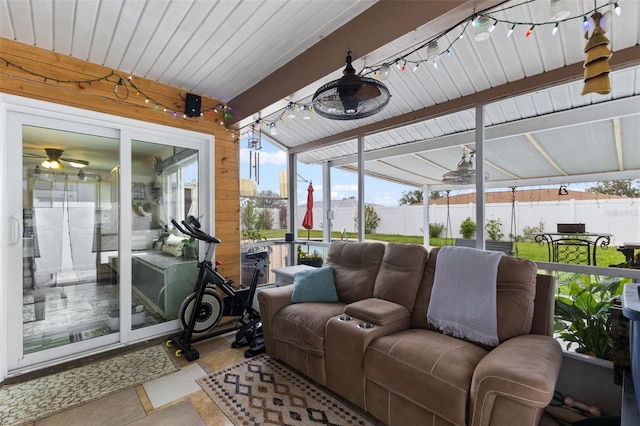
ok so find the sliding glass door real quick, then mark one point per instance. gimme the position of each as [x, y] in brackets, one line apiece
[68, 291]
[90, 209]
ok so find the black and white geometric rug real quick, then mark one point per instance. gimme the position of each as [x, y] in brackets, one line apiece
[261, 391]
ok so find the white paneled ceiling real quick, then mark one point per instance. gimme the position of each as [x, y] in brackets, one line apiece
[260, 55]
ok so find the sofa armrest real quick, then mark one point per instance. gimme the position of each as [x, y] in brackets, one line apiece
[515, 380]
[377, 311]
[271, 300]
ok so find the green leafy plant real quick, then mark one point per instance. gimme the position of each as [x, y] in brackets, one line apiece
[467, 228]
[492, 226]
[435, 229]
[314, 258]
[582, 312]
[371, 219]
[190, 248]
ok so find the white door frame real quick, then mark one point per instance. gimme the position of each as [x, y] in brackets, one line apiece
[16, 111]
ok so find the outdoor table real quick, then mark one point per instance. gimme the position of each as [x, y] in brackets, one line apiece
[632, 259]
[577, 248]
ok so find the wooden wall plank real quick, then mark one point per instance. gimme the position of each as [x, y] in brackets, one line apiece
[100, 96]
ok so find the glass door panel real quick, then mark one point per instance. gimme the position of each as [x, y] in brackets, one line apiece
[164, 186]
[69, 201]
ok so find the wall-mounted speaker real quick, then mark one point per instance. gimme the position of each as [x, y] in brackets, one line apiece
[193, 105]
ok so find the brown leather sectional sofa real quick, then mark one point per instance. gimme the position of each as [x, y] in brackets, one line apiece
[402, 370]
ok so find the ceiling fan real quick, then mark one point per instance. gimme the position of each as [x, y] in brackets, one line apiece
[465, 174]
[53, 159]
[351, 96]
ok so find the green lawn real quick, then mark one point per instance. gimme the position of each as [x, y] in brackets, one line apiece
[528, 250]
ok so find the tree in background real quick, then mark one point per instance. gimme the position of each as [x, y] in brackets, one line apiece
[624, 187]
[268, 199]
[282, 215]
[411, 197]
[265, 219]
[434, 195]
[248, 215]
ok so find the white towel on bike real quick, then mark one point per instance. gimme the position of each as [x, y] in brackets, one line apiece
[463, 298]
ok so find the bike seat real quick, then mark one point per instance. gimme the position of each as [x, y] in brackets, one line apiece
[258, 255]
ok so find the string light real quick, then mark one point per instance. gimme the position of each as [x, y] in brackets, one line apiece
[381, 71]
[585, 23]
[616, 8]
[529, 31]
[120, 88]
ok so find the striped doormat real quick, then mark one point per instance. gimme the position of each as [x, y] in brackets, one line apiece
[35, 399]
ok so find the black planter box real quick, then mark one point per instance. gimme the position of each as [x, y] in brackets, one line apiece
[570, 228]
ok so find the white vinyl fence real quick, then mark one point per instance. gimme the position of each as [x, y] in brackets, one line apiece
[618, 217]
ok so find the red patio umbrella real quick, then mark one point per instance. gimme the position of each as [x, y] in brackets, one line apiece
[307, 222]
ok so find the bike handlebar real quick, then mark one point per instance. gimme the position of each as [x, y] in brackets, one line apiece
[195, 232]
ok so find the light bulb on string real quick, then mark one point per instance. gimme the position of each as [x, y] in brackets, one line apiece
[555, 29]
[616, 8]
[585, 23]
[493, 26]
[511, 30]
[415, 67]
[529, 31]
[404, 66]
[384, 71]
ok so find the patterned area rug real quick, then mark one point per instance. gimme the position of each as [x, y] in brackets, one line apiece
[26, 402]
[261, 391]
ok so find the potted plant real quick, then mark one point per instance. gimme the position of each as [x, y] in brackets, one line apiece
[582, 312]
[190, 248]
[312, 259]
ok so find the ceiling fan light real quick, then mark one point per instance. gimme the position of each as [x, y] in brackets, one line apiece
[52, 164]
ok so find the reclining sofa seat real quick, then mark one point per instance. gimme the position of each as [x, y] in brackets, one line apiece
[402, 370]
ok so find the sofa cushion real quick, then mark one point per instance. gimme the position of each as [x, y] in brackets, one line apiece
[430, 369]
[303, 325]
[376, 311]
[400, 273]
[314, 285]
[355, 266]
[516, 290]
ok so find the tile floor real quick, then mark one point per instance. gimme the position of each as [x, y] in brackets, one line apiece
[179, 401]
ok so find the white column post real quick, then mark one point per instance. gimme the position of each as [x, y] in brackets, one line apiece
[425, 215]
[361, 188]
[326, 202]
[480, 176]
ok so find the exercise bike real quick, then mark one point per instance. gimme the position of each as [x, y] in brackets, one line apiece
[203, 309]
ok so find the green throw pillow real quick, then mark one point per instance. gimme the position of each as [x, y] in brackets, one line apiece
[314, 285]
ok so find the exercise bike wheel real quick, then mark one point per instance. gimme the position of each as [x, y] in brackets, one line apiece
[209, 311]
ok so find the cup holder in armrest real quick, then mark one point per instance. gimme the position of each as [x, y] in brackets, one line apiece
[365, 325]
[345, 317]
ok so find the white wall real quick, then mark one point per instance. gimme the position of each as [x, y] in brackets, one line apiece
[618, 217]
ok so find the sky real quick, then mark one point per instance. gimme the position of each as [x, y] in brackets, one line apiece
[343, 184]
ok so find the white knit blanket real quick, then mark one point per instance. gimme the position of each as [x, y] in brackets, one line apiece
[463, 298]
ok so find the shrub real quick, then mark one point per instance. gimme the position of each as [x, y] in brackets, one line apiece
[435, 229]
[467, 228]
[528, 231]
[371, 219]
[493, 229]
[265, 219]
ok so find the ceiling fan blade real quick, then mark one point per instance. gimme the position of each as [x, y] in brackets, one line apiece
[71, 160]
